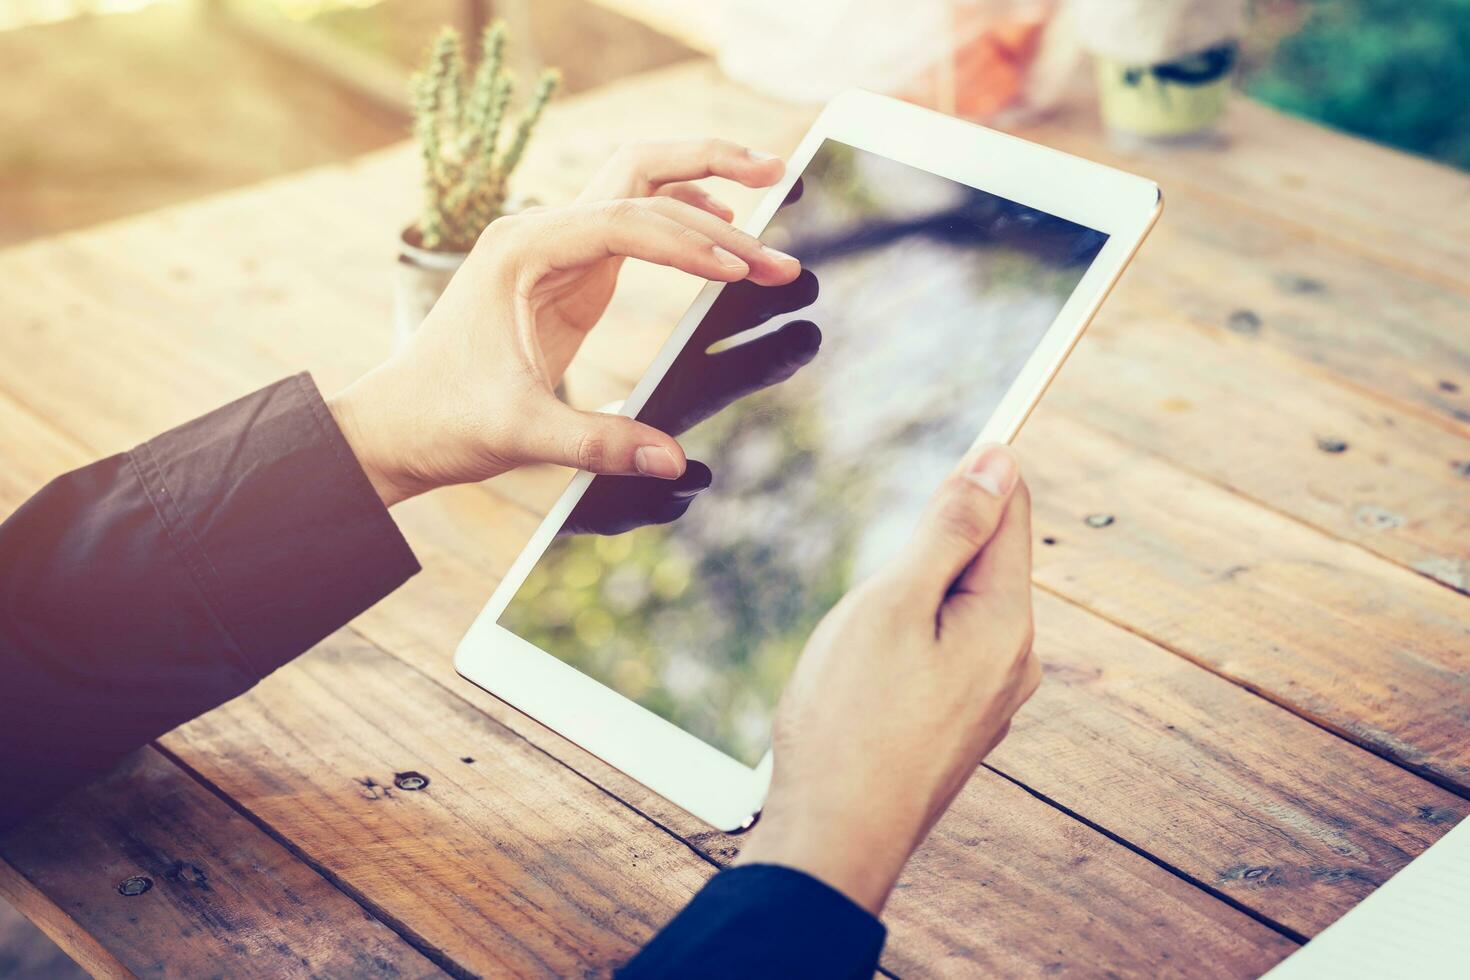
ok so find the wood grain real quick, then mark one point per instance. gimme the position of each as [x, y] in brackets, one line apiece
[1004, 887]
[221, 898]
[1263, 807]
[1363, 647]
[1399, 210]
[506, 863]
[1397, 336]
[1217, 404]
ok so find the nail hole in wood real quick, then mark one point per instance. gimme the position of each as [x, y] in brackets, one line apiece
[134, 885]
[410, 781]
[1244, 321]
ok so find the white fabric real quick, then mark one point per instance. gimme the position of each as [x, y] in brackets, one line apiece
[1149, 32]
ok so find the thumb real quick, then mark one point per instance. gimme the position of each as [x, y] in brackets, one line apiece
[961, 518]
[602, 443]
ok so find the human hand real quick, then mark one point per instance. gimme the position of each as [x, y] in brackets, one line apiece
[906, 685]
[638, 170]
[471, 396]
[701, 384]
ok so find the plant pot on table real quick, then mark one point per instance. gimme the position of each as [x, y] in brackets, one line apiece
[419, 279]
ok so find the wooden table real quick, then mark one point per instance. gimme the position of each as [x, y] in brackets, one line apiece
[1257, 704]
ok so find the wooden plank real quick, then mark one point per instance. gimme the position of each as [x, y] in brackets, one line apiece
[505, 863]
[1399, 210]
[1396, 336]
[75, 942]
[220, 898]
[1369, 650]
[1005, 886]
[1251, 801]
[1216, 403]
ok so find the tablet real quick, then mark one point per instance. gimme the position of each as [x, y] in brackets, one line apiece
[947, 271]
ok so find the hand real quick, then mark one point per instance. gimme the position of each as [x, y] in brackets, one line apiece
[641, 170]
[904, 687]
[701, 384]
[472, 394]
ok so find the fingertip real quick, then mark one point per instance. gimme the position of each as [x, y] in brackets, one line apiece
[776, 268]
[658, 462]
[763, 169]
[994, 470]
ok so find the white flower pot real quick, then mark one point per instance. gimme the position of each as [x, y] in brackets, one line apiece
[419, 278]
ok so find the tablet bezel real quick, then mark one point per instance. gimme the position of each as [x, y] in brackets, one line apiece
[690, 773]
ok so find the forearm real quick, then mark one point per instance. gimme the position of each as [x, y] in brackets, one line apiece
[140, 591]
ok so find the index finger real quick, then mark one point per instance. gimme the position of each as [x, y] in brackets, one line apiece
[634, 229]
[639, 169]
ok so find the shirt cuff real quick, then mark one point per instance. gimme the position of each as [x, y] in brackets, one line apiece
[764, 920]
[275, 519]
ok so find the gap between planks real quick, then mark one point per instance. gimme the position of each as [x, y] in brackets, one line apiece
[1442, 782]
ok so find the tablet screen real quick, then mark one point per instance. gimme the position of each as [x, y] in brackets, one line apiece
[826, 412]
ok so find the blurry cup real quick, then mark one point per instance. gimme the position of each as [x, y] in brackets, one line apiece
[1176, 102]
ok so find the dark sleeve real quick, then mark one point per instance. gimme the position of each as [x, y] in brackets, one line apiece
[763, 920]
[145, 589]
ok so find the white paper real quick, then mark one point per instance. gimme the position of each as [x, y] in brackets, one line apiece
[1417, 924]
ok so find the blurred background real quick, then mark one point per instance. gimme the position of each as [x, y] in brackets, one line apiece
[115, 107]
[118, 106]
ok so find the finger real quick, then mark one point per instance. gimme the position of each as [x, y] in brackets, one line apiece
[742, 306]
[639, 229]
[958, 523]
[768, 266]
[639, 169]
[1003, 569]
[598, 443]
[691, 193]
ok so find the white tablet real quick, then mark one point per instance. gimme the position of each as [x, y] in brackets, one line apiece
[948, 270]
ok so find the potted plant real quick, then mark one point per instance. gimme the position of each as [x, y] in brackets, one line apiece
[467, 162]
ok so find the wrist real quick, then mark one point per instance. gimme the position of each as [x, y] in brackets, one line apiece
[858, 853]
[366, 436]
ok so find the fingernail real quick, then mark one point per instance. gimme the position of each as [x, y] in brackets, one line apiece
[729, 260]
[758, 156]
[993, 471]
[773, 254]
[656, 461]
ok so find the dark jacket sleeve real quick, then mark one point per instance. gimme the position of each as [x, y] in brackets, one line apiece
[140, 591]
[763, 920]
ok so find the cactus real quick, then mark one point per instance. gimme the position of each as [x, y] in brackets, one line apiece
[458, 122]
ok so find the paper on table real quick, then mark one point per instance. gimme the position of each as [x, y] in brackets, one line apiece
[1417, 924]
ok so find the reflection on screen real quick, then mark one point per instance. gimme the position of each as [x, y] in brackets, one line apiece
[823, 414]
